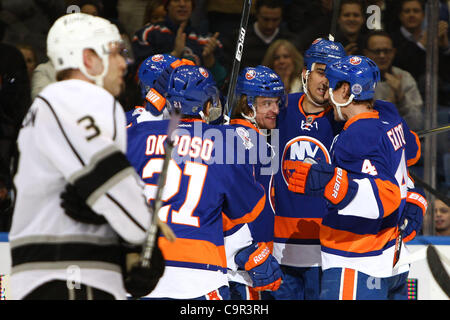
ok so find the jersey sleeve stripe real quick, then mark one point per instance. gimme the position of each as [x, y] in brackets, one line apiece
[62, 129]
[357, 243]
[413, 161]
[252, 215]
[389, 195]
[194, 251]
[297, 228]
[107, 170]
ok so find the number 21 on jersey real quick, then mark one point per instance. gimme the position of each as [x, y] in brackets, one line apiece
[197, 175]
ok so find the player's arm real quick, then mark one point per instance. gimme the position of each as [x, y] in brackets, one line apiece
[242, 252]
[89, 153]
[368, 190]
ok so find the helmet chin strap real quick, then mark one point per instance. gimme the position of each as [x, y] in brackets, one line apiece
[340, 105]
[306, 90]
[252, 118]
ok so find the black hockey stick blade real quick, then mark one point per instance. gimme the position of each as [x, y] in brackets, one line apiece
[237, 59]
[429, 132]
[437, 269]
[430, 189]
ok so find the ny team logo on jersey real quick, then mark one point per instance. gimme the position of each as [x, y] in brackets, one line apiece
[300, 148]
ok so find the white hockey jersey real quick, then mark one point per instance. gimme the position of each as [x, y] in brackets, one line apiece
[74, 132]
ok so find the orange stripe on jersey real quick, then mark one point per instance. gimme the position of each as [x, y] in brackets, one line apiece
[414, 160]
[364, 115]
[190, 250]
[313, 116]
[252, 215]
[244, 123]
[389, 195]
[357, 243]
[348, 284]
[297, 228]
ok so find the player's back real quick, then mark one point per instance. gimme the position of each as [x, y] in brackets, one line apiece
[201, 184]
[372, 151]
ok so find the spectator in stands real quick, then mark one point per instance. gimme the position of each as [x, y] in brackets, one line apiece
[155, 12]
[396, 85]
[265, 30]
[28, 21]
[441, 218]
[284, 58]
[411, 40]
[30, 57]
[177, 37]
[92, 7]
[351, 26]
[309, 19]
[224, 17]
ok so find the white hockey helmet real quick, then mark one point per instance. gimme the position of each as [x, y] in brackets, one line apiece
[72, 33]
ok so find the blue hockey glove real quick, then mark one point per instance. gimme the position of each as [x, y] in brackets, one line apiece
[262, 267]
[414, 211]
[323, 180]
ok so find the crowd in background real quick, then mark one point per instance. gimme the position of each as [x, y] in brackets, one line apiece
[205, 31]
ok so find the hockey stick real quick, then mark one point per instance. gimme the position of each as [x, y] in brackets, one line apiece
[237, 60]
[438, 270]
[428, 132]
[336, 7]
[152, 232]
[430, 189]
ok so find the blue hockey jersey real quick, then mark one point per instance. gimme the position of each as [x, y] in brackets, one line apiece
[201, 185]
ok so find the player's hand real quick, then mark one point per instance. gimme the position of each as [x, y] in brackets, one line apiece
[414, 211]
[75, 207]
[323, 180]
[141, 281]
[262, 267]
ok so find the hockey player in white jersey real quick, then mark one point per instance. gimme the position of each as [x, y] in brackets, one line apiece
[74, 135]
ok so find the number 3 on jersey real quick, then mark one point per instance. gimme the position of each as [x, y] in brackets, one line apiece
[197, 175]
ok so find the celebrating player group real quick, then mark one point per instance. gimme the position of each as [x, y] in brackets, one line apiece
[299, 196]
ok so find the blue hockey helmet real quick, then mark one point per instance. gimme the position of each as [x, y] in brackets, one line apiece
[151, 68]
[359, 71]
[259, 81]
[189, 88]
[323, 51]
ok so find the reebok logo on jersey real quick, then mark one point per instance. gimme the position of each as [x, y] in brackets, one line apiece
[157, 100]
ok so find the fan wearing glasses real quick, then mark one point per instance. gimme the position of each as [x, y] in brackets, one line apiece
[397, 85]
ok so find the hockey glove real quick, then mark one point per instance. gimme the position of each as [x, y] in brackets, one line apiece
[156, 95]
[413, 213]
[323, 180]
[262, 267]
[75, 207]
[140, 281]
